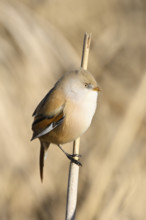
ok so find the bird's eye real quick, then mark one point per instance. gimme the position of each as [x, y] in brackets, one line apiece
[86, 85]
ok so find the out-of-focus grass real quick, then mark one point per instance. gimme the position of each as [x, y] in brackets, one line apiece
[39, 41]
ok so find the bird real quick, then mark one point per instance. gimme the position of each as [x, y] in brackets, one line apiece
[65, 113]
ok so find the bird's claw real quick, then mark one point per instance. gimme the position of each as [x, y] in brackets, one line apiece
[71, 157]
[76, 155]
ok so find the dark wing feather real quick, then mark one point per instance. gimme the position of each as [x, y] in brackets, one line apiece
[43, 124]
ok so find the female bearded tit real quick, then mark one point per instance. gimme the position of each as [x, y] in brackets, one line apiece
[66, 112]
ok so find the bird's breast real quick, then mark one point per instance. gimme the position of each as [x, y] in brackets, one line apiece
[79, 115]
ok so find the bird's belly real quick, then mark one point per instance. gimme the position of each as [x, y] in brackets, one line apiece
[77, 120]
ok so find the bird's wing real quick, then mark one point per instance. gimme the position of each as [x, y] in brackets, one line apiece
[43, 124]
[43, 102]
[49, 113]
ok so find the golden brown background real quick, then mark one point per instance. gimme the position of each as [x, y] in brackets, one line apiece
[39, 41]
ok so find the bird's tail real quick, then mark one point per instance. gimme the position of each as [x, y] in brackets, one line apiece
[43, 150]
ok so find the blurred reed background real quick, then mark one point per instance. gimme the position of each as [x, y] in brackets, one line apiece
[39, 41]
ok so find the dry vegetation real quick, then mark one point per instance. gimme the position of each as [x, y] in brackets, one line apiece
[39, 41]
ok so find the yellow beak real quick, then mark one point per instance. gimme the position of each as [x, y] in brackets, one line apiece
[97, 89]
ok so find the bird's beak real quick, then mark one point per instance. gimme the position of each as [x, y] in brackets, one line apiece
[96, 89]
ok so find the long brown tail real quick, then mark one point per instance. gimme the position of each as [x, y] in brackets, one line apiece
[43, 149]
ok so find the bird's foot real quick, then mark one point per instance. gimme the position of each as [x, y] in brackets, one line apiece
[71, 158]
[76, 155]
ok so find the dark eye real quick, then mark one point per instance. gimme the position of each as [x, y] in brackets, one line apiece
[86, 85]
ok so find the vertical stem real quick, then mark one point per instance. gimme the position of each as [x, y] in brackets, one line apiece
[74, 169]
[84, 64]
[86, 48]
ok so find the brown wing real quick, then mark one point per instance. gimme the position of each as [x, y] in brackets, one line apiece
[49, 113]
[43, 102]
[43, 124]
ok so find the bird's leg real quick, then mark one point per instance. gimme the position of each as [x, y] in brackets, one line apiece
[71, 156]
